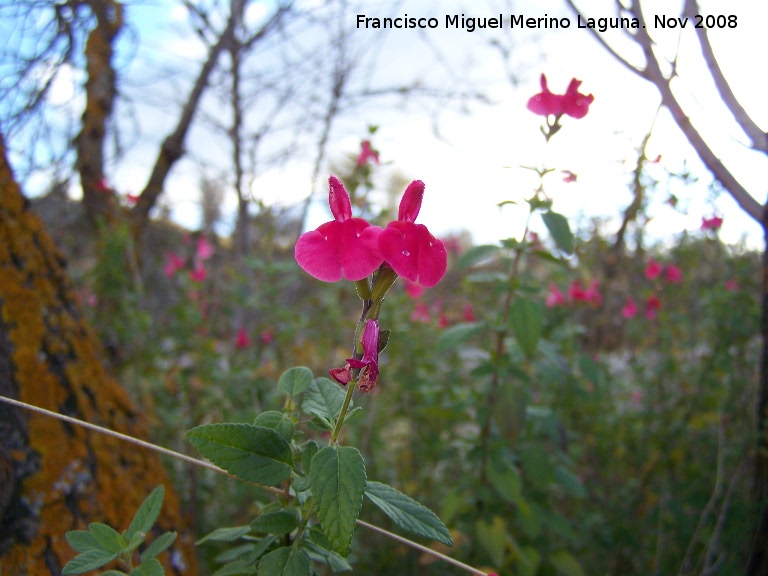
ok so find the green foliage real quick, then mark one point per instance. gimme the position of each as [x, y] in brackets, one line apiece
[101, 544]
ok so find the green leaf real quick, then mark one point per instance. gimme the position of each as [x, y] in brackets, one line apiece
[114, 573]
[536, 466]
[570, 482]
[81, 540]
[251, 453]
[307, 453]
[565, 562]
[147, 513]
[225, 534]
[558, 227]
[477, 254]
[107, 537]
[87, 561]
[494, 539]
[407, 514]
[505, 479]
[337, 477]
[450, 338]
[149, 568]
[317, 543]
[275, 523]
[158, 545]
[295, 380]
[278, 421]
[237, 567]
[284, 562]
[323, 399]
[527, 319]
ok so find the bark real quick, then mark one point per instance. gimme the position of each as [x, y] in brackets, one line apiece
[55, 477]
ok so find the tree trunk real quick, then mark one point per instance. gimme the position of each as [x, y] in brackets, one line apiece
[56, 477]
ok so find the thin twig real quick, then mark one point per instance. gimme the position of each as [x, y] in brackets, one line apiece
[208, 465]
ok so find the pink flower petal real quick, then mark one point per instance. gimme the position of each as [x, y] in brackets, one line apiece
[413, 252]
[411, 202]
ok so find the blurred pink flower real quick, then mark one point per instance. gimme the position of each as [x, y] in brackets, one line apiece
[172, 264]
[204, 249]
[712, 223]
[469, 314]
[630, 309]
[421, 313]
[132, 199]
[554, 297]
[443, 321]
[673, 274]
[452, 245]
[592, 294]
[569, 176]
[366, 153]
[576, 292]
[103, 186]
[652, 307]
[413, 290]
[199, 273]
[636, 397]
[731, 285]
[266, 336]
[242, 340]
[653, 270]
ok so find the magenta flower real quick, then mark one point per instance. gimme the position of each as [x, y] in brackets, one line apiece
[173, 263]
[652, 307]
[242, 340]
[366, 153]
[653, 270]
[592, 294]
[554, 297]
[712, 223]
[569, 176]
[576, 293]
[469, 314]
[345, 247]
[204, 249]
[413, 290]
[369, 363]
[199, 274]
[421, 313]
[409, 248]
[572, 103]
[731, 285]
[673, 274]
[630, 309]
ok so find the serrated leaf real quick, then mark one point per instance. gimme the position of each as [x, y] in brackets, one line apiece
[158, 545]
[81, 540]
[225, 534]
[275, 523]
[566, 563]
[558, 227]
[323, 399]
[278, 421]
[407, 514]
[295, 380]
[476, 254]
[320, 553]
[251, 453]
[527, 319]
[152, 567]
[235, 568]
[337, 480]
[87, 561]
[450, 338]
[284, 562]
[147, 513]
[107, 537]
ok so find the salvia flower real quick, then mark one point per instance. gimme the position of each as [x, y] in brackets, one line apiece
[712, 223]
[652, 307]
[367, 153]
[653, 270]
[673, 274]
[630, 309]
[345, 247]
[409, 248]
[242, 340]
[369, 363]
[573, 103]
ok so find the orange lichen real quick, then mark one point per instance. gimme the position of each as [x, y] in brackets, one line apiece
[56, 363]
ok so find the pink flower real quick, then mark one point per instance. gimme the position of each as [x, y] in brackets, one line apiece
[242, 340]
[731, 285]
[369, 363]
[409, 248]
[673, 274]
[172, 264]
[345, 247]
[266, 336]
[576, 292]
[132, 199]
[421, 313]
[341, 375]
[569, 176]
[572, 103]
[630, 309]
[652, 307]
[103, 186]
[592, 294]
[636, 397]
[366, 153]
[555, 297]
[443, 321]
[199, 273]
[204, 249]
[469, 314]
[653, 270]
[712, 223]
[452, 244]
[413, 290]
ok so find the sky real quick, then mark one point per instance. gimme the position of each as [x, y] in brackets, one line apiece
[476, 163]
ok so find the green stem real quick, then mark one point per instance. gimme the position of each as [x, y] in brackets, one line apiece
[343, 413]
